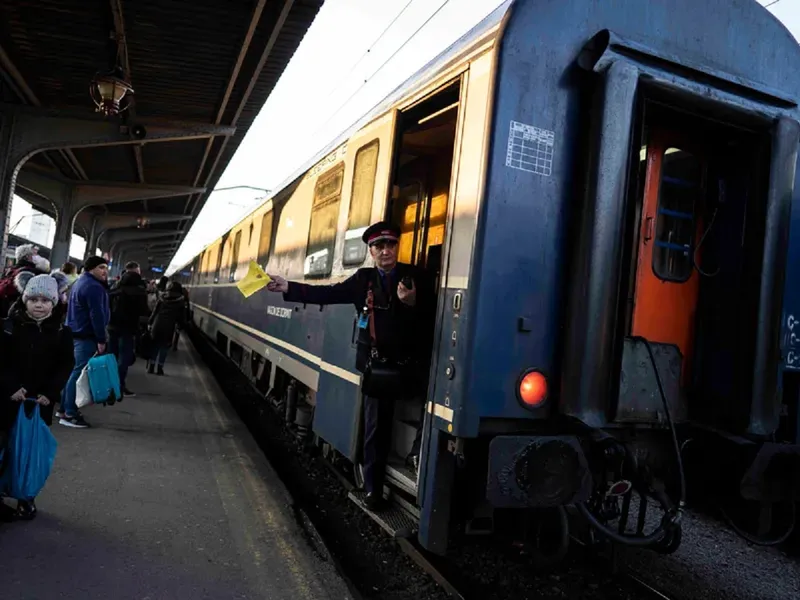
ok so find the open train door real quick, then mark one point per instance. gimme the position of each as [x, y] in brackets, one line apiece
[667, 282]
[365, 188]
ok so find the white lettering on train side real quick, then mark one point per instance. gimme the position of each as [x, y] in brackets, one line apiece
[277, 311]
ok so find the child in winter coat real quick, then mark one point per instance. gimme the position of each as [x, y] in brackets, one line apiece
[36, 355]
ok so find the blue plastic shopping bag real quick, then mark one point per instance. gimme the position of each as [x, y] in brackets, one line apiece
[29, 456]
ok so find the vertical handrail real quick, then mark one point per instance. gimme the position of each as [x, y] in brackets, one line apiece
[764, 409]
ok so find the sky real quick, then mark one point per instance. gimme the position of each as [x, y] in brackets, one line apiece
[333, 79]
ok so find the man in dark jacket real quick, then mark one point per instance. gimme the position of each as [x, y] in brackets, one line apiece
[88, 315]
[128, 302]
[397, 305]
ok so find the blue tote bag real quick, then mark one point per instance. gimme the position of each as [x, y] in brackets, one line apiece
[28, 458]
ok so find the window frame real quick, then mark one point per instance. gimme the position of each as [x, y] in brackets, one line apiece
[265, 253]
[658, 245]
[233, 256]
[336, 170]
[355, 233]
[219, 267]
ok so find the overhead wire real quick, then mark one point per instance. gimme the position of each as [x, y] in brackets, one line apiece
[382, 65]
[774, 2]
[370, 47]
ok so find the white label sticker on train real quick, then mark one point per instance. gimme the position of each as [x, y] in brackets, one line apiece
[277, 311]
[530, 149]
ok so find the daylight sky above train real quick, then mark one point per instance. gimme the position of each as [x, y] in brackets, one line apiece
[354, 54]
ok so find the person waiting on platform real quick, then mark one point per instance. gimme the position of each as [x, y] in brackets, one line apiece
[36, 356]
[169, 313]
[128, 302]
[87, 316]
[396, 303]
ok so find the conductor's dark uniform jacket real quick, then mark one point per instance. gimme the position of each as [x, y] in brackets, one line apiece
[402, 333]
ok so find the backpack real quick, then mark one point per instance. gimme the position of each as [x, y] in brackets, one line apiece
[8, 289]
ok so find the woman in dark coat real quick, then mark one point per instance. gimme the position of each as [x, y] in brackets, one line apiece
[36, 355]
[169, 313]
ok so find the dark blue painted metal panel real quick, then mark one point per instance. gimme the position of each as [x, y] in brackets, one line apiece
[337, 417]
[790, 327]
[524, 237]
[324, 334]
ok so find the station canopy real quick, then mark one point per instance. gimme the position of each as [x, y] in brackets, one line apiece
[132, 179]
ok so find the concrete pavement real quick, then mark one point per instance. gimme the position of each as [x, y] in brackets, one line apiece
[166, 497]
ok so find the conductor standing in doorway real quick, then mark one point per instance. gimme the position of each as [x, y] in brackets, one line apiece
[396, 304]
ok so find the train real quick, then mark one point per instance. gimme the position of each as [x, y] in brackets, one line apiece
[605, 194]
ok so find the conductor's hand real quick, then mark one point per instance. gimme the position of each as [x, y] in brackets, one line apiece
[278, 284]
[405, 295]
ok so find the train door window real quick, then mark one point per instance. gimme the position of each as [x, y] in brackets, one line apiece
[324, 218]
[360, 212]
[681, 184]
[237, 244]
[407, 211]
[265, 241]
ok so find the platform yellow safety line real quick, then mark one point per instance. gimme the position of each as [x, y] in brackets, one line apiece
[255, 490]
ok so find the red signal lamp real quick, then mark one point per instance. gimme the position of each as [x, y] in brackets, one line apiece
[532, 389]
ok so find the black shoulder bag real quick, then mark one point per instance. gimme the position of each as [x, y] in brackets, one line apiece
[382, 378]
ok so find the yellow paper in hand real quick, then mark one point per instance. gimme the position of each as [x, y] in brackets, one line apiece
[253, 281]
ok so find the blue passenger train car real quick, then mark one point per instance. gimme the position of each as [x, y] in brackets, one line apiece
[605, 194]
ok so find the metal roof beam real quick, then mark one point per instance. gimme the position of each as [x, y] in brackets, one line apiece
[273, 38]
[116, 236]
[40, 129]
[88, 193]
[122, 220]
[26, 94]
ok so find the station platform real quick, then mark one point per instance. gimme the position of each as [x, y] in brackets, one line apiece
[167, 497]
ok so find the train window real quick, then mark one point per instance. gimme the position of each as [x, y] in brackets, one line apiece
[219, 262]
[265, 243]
[360, 214]
[681, 182]
[237, 244]
[250, 235]
[204, 271]
[324, 218]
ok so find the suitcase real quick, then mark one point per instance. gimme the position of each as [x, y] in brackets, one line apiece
[104, 379]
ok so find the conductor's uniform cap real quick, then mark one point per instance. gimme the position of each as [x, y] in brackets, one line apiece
[382, 231]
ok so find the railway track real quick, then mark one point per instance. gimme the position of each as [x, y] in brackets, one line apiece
[442, 573]
[432, 565]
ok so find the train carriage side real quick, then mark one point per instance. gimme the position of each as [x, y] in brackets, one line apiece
[638, 197]
[600, 189]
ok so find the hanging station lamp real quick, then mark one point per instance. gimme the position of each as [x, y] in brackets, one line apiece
[107, 91]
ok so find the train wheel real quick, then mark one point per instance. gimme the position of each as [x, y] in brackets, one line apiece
[547, 537]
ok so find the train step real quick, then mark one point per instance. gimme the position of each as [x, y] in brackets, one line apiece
[393, 519]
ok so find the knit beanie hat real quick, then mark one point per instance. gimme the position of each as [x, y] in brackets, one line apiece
[93, 262]
[37, 286]
[24, 252]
